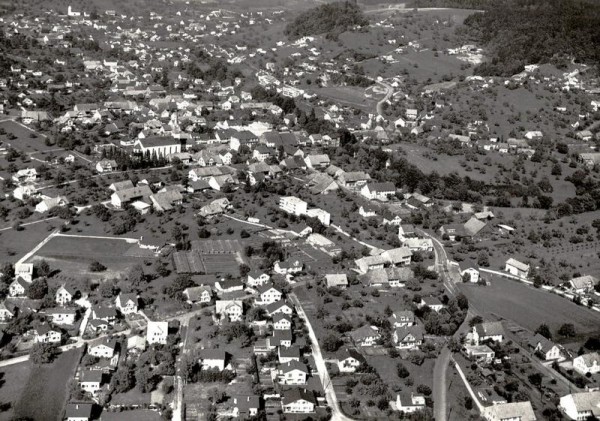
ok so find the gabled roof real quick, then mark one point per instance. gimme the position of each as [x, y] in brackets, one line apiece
[156, 141]
[404, 331]
[364, 332]
[296, 394]
[515, 263]
[293, 365]
[489, 329]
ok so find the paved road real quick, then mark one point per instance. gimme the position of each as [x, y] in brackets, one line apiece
[30, 223]
[330, 396]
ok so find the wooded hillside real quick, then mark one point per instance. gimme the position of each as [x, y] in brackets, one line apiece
[333, 18]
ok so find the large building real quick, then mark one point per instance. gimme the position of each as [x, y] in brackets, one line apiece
[160, 146]
[581, 406]
[293, 205]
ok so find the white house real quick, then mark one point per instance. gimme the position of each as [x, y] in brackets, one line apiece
[91, 381]
[581, 406]
[157, 332]
[268, 294]
[293, 205]
[293, 373]
[583, 284]
[488, 331]
[285, 268]
[79, 411]
[105, 348]
[409, 402]
[365, 336]
[64, 294]
[232, 309]
[516, 268]
[282, 322]
[46, 334]
[336, 280]
[63, 316]
[515, 411]
[127, 303]
[408, 337]
[587, 363]
[18, 288]
[472, 275]
[106, 165]
[25, 271]
[298, 401]
[546, 348]
[200, 294]
[213, 359]
[378, 191]
[349, 360]
[50, 203]
[257, 278]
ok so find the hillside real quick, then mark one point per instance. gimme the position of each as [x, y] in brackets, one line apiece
[523, 32]
[333, 18]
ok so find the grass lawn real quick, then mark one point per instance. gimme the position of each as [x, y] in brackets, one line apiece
[46, 389]
[136, 415]
[132, 397]
[24, 142]
[12, 379]
[72, 255]
[15, 244]
[529, 307]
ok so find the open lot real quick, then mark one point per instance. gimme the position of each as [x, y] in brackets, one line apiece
[72, 255]
[46, 389]
[24, 141]
[15, 244]
[12, 379]
[529, 307]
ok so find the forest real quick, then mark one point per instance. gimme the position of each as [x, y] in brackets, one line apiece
[331, 19]
[521, 32]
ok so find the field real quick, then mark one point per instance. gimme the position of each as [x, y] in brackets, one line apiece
[347, 95]
[12, 380]
[24, 142]
[72, 255]
[15, 244]
[46, 389]
[529, 307]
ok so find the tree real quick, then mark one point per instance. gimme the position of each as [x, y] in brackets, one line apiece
[332, 342]
[544, 330]
[123, 379]
[475, 321]
[42, 353]
[38, 289]
[96, 266]
[145, 380]
[136, 275]
[402, 371]
[43, 269]
[567, 330]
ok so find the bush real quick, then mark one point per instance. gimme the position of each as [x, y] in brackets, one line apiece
[96, 266]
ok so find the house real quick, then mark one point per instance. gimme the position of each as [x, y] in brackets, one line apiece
[282, 322]
[98, 325]
[349, 360]
[26, 175]
[293, 205]
[49, 203]
[515, 411]
[587, 363]
[583, 284]
[365, 336]
[432, 302]
[418, 244]
[157, 332]
[120, 199]
[24, 191]
[402, 318]
[400, 256]
[103, 348]
[46, 334]
[480, 353]
[18, 287]
[106, 165]
[298, 401]
[7, 311]
[161, 147]
[367, 211]
[409, 402]
[293, 373]
[245, 406]
[166, 200]
[127, 303]
[516, 268]
[285, 268]
[338, 280]
[121, 185]
[471, 274]
[62, 316]
[545, 348]
[79, 411]
[232, 309]
[269, 294]
[108, 314]
[354, 180]
[287, 354]
[229, 285]
[378, 191]
[581, 406]
[488, 331]
[368, 263]
[317, 162]
[257, 278]
[64, 294]
[91, 380]
[213, 359]
[279, 307]
[281, 338]
[408, 337]
[200, 294]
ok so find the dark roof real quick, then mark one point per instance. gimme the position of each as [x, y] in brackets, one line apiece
[293, 395]
[79, 410]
